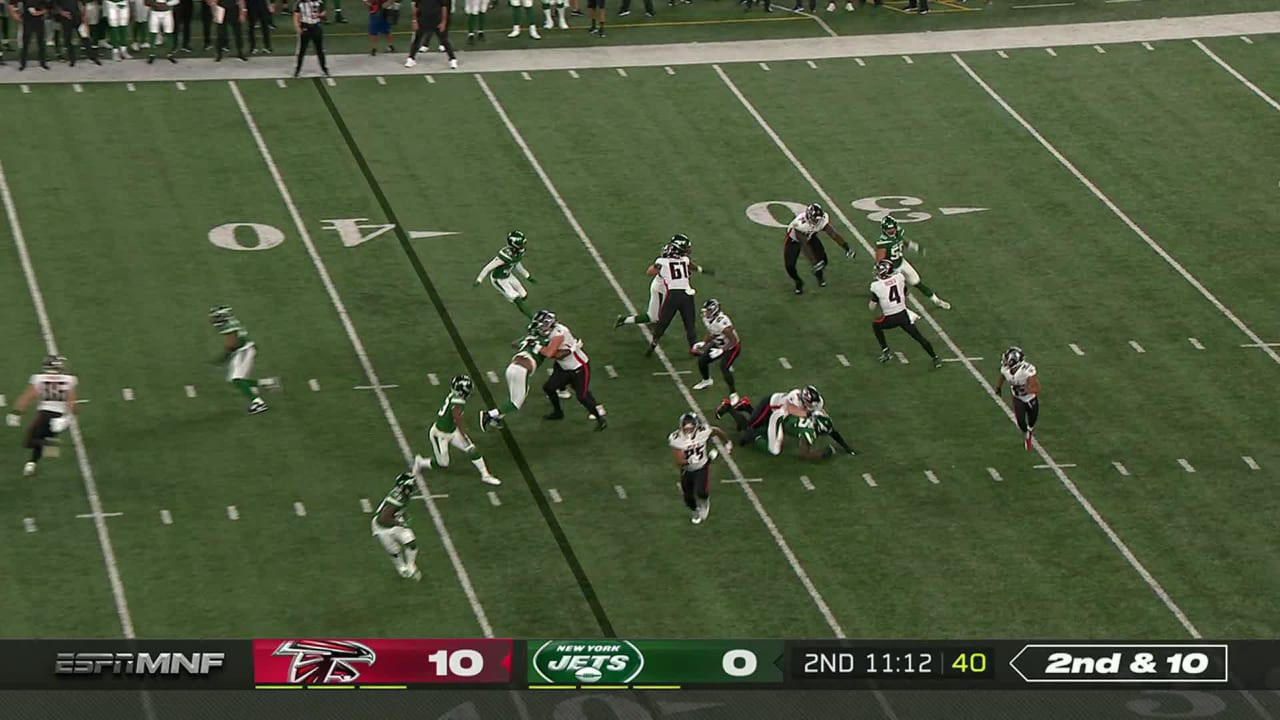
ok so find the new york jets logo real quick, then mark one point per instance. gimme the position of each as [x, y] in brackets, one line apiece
[573, 662]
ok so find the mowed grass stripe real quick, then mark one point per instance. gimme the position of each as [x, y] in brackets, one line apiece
[562, 540]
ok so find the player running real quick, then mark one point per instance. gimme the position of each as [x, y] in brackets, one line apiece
[889, 296]
[805, 430]
[450, 429]
[676, 272]
[892, 246]
[238, 355]
[54, 391]
[1024, 385]
[721, 342]
[657, 292]
[802, 236]
[689, 449]
[390, 525]
[523, 363]
[503, 269]
[572, 368]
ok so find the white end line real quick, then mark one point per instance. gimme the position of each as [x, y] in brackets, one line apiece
[1115, 209]
[818, 600]
[82, 455]
[464, 578]
[835, 209]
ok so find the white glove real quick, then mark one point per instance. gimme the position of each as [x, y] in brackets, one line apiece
[13, 420]
[698, 347]
[715, 353]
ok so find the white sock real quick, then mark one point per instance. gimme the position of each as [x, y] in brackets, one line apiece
[479, 463]
[599, 411]
[410, 556]
[398, 562]
[560, 12]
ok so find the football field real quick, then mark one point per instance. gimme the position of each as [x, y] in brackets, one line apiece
[1110, 209]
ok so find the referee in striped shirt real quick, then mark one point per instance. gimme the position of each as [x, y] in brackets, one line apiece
[308, 21]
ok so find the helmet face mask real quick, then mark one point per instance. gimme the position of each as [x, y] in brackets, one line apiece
[681, 244]
[543, 321]
[814, 213]
[1013, 357]
[516, 240]
[711, 309]
[53, 363]
[219, 315]
[889, 226]
[810, 396]
[689, 424]
[883, 269]
[461, 384]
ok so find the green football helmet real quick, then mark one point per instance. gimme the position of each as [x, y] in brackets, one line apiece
[516, 240]
[889, 226]
[219, 315]
[462, 385]
[681, 243]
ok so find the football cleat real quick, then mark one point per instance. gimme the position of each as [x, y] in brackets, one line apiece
[889, 226]
[940, 302]
[462, 385]
[622, 320]
[554, 415]
[602, 423]
[419, 464]
[1026, 440]
[937, 361]
[490, 480]
[29, 469]
[704, 384]
[564, 393]
[410, 62]
[885, 355]
[258, 406]
[725, 407]
[883, 269]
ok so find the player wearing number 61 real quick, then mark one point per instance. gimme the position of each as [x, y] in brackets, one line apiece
[689, 450]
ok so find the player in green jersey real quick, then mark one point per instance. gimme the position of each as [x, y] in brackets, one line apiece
[503, 270]
[805, 430]
[892, 246]
[390, 526]
[450, 429]
[527, 359]
[238, 355]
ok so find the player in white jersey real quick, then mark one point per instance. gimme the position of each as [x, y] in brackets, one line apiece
[523, 363]
[657, 291]
[721, 342]
[572, 368]
[390, 525]
[54, 393]
[1024, 385]
[802, 236]
[768, 419]
[689, 447]
[889, 298]
[677, 273]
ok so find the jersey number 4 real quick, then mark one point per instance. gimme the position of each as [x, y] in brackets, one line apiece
[894, 295]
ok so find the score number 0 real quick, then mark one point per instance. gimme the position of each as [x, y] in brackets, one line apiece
[458, 663]
[739, 663]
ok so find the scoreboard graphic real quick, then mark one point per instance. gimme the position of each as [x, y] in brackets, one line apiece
[553, 664]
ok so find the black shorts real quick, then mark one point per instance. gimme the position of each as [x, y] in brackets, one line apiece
[595, 4]
[899, 319]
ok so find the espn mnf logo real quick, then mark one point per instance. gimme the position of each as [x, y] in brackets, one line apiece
[572, 662]
[157, 664]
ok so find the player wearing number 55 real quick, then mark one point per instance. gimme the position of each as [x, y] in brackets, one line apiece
[689, 449]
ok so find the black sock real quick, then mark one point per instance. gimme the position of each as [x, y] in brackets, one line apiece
[37, 452]
[880, 336]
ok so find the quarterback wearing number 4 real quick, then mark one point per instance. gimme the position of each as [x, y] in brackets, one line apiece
[449, 429]
[689, 449]
[889, 296]
[1024, 385]
[504, 268]
[892, 246]
[238, 354]
[55, 393]
[390, 525]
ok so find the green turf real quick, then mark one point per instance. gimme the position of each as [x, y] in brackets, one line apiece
[129, 275]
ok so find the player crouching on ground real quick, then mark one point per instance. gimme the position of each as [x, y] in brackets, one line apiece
[1024, 385]
[721, 342]
[55, 391]
[390, 524]
[238, 355]
[689, 449]
[450, 429]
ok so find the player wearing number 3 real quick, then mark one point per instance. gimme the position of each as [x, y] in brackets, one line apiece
[889, 297]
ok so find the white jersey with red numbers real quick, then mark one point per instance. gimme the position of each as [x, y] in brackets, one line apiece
[576, 357]
[717, 327]
[1017, 379]
[52, 390]
[801, 228]
[891, 293]
[674, 272]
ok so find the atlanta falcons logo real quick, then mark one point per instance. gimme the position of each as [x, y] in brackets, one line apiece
[325, 662]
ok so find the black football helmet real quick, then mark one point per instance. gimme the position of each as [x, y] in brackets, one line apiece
[814, 213]
[1012, 357]
[884, 269]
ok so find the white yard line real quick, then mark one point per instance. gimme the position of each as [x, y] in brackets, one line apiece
[806, 483]
[1120, 468]
[1051, 52]
[622, 72]
[460, 570]
[430, 80]
[622, 492]
[1115, 209]
[82, 455]
[907, 59]
[181, 85]
[1076, 349]
[492, 376]
[433, 378]
[314, 384]
[764, 66]
[366, 507]
[1136, 347]
[818, 600]
[87, 516]
[1002, 54]
[233, 513]
[281, 83]
[554, 494]
[931, 477]
[299, 509]
[902, 358]
[1236, 74]
[785, 363]
[835, 209]
[331, 82]
[29, 524]
[1100, 49]
[190, 390]
[126, 393]
[812, 64]
[574, 74]
[842, 360]
[995, 474]
[869, 480]
[166, 517]
[1148, 46]
[669, 70]
[1253, 464]
[381, 80]
[1186, 465]
[1195, 343]
[610, 371]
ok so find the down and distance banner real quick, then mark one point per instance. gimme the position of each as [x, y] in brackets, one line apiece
[476, 662]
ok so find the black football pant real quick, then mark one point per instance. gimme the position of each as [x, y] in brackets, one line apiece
[1026, 412]
[791, 254]
[579, 379]
[182, 23]
[924, 5]
[311, 34]
[902, 320]
[752, 423]
[726, 364]
[695, 485]
[231, 23]
[32, 29]
[676, 301]
[39, 433]
[428, 26]
[259, 15]
[626, 6]
[71, 36]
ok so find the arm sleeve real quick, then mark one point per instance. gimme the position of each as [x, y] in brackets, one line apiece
[494, 264]
[520, 268]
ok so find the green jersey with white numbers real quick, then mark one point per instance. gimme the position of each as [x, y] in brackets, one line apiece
[807, 429]
[397, 500]
[509, 258]
[233, 325]
[444, 417]
[894, 247]
[530, 346]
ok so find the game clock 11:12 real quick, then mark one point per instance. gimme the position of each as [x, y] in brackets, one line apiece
[836, 663]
